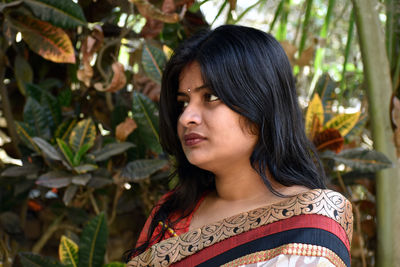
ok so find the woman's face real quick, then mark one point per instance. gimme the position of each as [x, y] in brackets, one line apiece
[212, 135]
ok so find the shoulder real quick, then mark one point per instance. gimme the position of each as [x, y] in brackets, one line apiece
[332, 205]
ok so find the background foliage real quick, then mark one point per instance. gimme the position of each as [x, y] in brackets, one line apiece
[80, 82]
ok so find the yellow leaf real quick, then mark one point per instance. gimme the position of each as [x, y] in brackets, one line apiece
[343, 122]
[167, 51]
[68, 251]
[315, 111]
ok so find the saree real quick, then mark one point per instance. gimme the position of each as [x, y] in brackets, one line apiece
[310, 229]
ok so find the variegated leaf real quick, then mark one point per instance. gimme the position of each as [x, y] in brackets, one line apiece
[68, 251]
[47, 40]
[343, 122]
[315, 111]
[65, 14]
[83, 133]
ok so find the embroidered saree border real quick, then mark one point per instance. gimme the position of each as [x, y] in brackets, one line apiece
[305, 229]
[317, 201]
[288, 249]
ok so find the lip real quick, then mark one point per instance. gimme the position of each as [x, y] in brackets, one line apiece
[192, 139]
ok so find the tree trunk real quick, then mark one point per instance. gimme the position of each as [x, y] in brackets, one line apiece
[379, 91]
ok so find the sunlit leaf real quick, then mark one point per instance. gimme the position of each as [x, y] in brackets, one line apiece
[65, 14]
[315, 110]
[68, 251]
[92, 245]
[47, 40]
[54, 179]
[140, 169]
[111, 150]
[23, 73]
[153, 61]
[83, 133]
[29, 259]
[343, 122]
[145, 113]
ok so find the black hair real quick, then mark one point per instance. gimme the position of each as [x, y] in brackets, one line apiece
[250, 72]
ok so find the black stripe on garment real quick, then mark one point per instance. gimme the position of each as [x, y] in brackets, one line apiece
[312, 236]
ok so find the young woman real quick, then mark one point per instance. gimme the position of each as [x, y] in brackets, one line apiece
[251, 188]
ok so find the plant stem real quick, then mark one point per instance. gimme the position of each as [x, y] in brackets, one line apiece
[94, 203]
[46, 236]
[357, 216]
[117, 196]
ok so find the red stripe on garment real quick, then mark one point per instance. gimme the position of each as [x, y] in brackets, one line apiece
[300, 221]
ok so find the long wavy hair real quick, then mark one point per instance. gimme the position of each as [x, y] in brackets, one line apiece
[250, 72]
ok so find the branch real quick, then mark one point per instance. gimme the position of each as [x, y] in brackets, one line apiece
[46, 236]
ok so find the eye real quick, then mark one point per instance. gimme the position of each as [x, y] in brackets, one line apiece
[211, 97]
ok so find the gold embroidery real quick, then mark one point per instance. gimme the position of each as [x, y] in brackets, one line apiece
[288, 249]
[317, 201]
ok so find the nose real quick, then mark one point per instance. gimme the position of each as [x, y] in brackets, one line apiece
[190, 116]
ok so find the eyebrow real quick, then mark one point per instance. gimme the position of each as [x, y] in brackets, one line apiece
[201, 87]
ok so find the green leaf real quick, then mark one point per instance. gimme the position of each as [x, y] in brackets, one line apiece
[29, 259]
[64, 14]
[82, 151]
[26, 133]
[145, 113]
[153, 61]
[360, 159]
[23, 73]
[47, 101]
[54, 179]
[141, 169]
[92, 245]
[68, 196]
[85, 168]
[37, 118]
[69, 156]
[51, 42]
[111, 150]
[64, 130]
[65, 97]
[47, 148]
[68, 251]
[115, 264]
[83, 133]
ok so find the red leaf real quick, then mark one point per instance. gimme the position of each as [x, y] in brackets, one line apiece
[329, 139]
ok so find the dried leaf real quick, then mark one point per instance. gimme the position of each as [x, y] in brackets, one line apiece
[150, 11]
[90, 46]
[306, 56]
[124, 129]
[118, 81]
[290, 51]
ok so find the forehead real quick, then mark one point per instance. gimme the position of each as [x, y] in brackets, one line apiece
[190, 77]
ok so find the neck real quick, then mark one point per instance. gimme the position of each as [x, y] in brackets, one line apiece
[240, 184]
